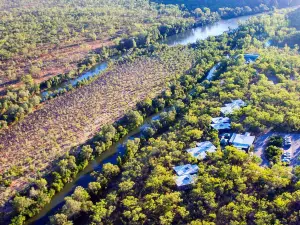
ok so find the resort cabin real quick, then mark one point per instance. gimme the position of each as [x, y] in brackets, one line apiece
[217, 120]
[242, 141]
[234, 105]
[250, 58]
[201, 150]
[221, 123]
[185, 181]
[186, 169]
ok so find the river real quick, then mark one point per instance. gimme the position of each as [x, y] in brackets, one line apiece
[94, 71]
[201, 33]
[110, 156]
[184, 38]
[84, 177]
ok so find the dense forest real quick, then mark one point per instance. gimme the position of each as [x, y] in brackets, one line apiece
[216, 4]
[290, 36]
[231, 187]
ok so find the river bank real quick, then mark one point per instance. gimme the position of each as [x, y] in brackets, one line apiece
[110, 156]
[186, 37]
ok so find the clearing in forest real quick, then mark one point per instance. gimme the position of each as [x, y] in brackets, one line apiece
[32, 145]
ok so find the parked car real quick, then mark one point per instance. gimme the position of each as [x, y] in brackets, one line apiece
[287, 141]
[286, 158]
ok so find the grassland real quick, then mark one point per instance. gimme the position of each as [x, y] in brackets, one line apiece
[30, 147]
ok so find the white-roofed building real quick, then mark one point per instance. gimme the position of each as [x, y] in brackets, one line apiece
[239, 103]
[185, 181]
[241, 141]
[221, 126]
[186, 169]
[234, 105]
[221, 123]
[220, 120]
[250, 58]
[201, 150]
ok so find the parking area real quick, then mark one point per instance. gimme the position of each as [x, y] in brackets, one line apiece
[294, 150]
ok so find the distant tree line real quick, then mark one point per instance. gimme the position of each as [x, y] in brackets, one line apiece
[216, 4]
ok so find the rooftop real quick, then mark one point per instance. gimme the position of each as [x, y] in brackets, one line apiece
[202, 148]
[220, 120]
[242, 141]
[185, 180]
[251, 57]
[221, 126]
[234, 105]
[186, 169]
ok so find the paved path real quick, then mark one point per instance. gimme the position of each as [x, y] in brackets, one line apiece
[261, 142]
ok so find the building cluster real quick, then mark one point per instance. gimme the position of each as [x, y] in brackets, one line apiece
[223, 123]
[229, 108]
[187, 174]
[240, 141]
[201, 150]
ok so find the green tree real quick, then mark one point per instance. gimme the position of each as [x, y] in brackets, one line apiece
[276, 141]
[109, 170]
[133, 119]
[22, 204]
[273, 153]
[60, 219]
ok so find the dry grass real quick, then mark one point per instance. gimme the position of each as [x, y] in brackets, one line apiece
[46, 134]
[57, 45]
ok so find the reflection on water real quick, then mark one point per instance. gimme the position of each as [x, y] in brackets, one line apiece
[85, 177]
[201, 33]
[96, 70]
[184, 38]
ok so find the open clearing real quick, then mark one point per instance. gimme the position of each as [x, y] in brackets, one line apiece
[46, 134]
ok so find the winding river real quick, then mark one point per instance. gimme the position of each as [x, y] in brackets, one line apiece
[110, 156]
[201, 33]
[84, 177]
[184, 38]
